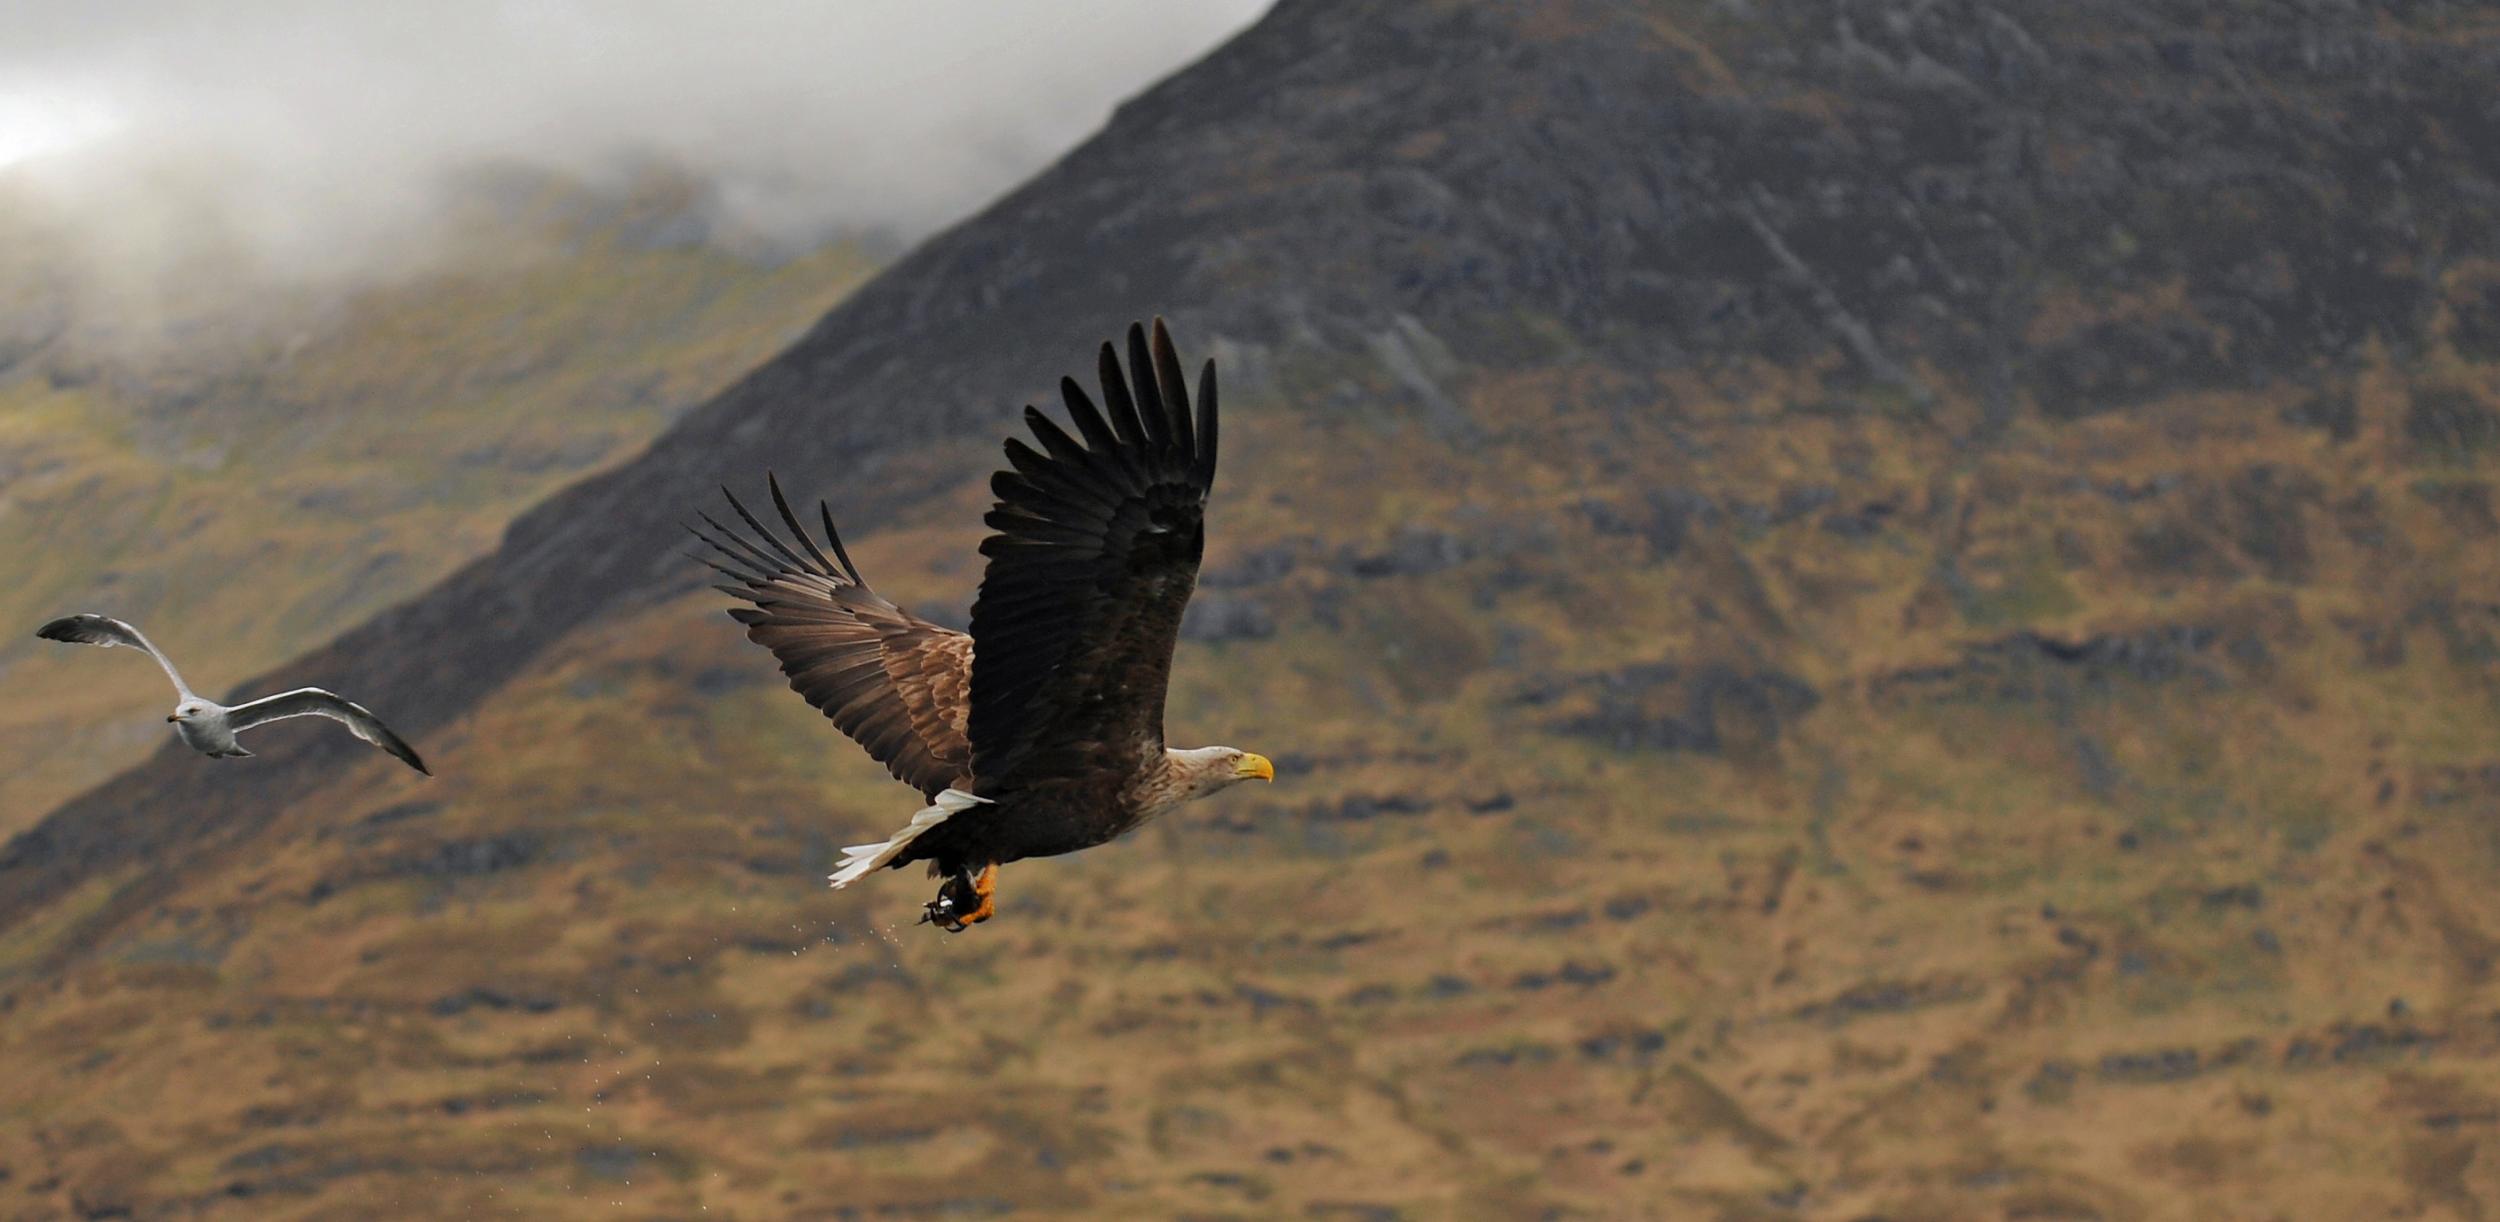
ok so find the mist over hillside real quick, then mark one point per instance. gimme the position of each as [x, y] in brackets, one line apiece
[1864, 609]
[171, 153]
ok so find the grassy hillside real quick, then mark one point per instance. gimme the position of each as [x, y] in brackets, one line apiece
[2074, 831]
[244, 472]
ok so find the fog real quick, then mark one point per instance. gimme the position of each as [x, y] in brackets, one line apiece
[318, 138]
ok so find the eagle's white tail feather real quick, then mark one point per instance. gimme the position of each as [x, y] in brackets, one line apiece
[860, 860]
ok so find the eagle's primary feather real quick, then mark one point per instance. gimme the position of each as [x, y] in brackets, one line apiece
[896, 683]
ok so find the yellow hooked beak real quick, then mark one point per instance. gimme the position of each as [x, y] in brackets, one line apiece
[1253, 765]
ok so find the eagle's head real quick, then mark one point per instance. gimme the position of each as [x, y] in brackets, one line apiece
[1206, 770]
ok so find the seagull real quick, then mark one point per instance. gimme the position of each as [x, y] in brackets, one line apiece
[209, 727]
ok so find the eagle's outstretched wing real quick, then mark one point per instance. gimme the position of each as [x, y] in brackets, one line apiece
[1096, 553]
[897, 684]
[314, 702]
[107, 632]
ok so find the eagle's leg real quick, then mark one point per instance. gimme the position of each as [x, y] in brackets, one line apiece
[985, 888]
[963, 901]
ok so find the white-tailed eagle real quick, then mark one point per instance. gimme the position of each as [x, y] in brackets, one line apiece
[1040, 732]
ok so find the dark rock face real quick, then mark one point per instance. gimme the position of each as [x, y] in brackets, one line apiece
[2024, 665]
[1224, 617]
[1670, 708]
[2448, 422]
[472, 858]
[1257, 567]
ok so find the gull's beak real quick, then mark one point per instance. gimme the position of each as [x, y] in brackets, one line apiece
[1254, 766]
[173, 717]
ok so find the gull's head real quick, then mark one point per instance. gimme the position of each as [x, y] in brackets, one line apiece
[187, 710]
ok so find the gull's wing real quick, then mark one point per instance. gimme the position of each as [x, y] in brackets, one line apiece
[314, 702]
[108, 632]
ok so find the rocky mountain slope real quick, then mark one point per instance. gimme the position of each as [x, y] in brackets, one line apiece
[1865, 610]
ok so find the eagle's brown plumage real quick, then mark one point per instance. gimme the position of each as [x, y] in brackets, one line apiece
[1048, 737]
[897, 684]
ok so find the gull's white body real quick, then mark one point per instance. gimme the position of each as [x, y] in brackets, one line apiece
[208, 727]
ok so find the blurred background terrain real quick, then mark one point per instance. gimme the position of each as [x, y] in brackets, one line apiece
[1867, 609]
